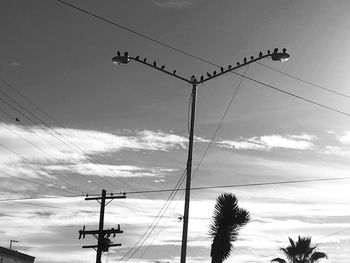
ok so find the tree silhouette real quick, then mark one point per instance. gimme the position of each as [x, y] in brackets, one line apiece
[228, 219]
[300, 251]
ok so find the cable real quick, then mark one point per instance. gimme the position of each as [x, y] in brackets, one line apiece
[196, 57]
[91, 158]
[305, 81]
[155, 222]
[245, 185]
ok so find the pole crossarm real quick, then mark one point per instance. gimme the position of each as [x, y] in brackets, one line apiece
[107, 232]
[275, 55]
[107, 197]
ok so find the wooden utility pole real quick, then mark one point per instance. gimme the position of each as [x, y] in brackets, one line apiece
[102, 236]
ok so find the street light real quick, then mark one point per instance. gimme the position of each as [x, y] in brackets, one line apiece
[125, 59]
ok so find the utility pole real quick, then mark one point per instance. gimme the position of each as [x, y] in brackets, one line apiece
[12, 241]
[102, 236]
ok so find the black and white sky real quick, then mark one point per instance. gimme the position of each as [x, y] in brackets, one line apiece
[72, 123]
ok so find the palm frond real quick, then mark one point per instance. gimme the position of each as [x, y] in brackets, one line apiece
[279, 260]
[317, 255]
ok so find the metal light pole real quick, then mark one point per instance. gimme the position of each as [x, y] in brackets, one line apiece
[125, 59]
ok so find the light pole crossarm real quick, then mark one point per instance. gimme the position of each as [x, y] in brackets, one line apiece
[124, 59]
[276, 56]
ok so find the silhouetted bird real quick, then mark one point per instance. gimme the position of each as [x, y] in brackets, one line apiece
[144, 60]
[260, 54]
[238, 63]
[222, 69]
[245, 60]
[126, 54]
[229, 67]
[193, 78]
[17, 119]
[137, 58]
[118, 54]
[209, 76]
[214, 73]
[174, 72]
[154, 64]
[202, 78]
[163, 67]
[252, 57]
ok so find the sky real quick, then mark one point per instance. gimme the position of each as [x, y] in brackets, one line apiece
[72, 123]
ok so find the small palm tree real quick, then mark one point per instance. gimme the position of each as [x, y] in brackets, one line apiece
[300, 251]
[228, 219]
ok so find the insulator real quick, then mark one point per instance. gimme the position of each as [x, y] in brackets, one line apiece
[284, 50]
[126, 54]
[269, 52]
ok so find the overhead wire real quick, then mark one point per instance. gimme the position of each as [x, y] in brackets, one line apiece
[91, 158]
[305, 81]
[196, 57]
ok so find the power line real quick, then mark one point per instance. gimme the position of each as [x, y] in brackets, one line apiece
[245, 185]
[196, 57]
[91, 158]
[305, 81]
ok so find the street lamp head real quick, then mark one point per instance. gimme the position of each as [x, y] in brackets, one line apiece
[119, 59]
[280, 56]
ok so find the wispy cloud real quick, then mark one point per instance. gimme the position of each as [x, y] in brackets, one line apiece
[268, 142]
[173, 3]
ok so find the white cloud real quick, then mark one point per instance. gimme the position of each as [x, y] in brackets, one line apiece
[33, 152]
[268, 142]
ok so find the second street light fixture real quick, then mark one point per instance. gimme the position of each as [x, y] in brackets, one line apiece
[125, 59]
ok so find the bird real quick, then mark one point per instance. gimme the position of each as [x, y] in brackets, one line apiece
[193, 78]
[252, 57]
[209, 76]
[222, 69]
[126, 54]
[245, 60]
[137, 58]
[163, 67]
[214, 72]
[202, 78]
[260, 54]
[144, 60]
[238, 64]
[118, 53]
[154, 64]
[174, 72]
[17, 119]
[229, 67]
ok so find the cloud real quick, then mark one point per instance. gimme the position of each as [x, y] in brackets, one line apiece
[268, 142]
[113, 170]
[173, 3]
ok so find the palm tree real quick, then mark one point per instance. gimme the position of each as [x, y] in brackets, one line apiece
[228, 219]
[300, 251]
